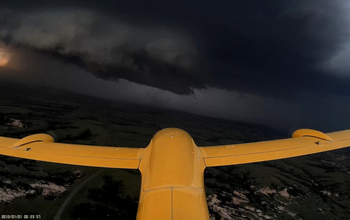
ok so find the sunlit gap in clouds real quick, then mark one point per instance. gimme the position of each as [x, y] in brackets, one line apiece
[4, 56]
[14, 59]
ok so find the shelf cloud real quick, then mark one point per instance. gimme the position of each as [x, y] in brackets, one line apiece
[163, 58]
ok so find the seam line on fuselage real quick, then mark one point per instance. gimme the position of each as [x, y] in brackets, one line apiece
[172, 202]
[138, 166]
[142, 156]
[202, 156]
[171, 187]
[204, 162]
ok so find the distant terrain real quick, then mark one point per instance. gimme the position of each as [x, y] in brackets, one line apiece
[308, 187]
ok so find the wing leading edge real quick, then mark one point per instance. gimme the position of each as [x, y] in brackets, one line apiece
[41, 147]
[304, 141]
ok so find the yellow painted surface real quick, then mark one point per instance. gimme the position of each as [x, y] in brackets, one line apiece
[190, 203]
[311, 133]
[40, 147]
[172, 166]
[172, 163]
[34, 138]
[272, 150]
[172, 159]
[155, 204]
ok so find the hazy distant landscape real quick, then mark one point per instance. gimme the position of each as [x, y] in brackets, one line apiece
[309, 187]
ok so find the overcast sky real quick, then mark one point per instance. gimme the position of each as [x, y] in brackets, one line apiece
[277, 62]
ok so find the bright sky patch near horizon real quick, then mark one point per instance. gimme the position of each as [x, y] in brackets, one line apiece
[4, 57]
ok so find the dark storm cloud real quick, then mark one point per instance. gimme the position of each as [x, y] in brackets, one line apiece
[164, 58]
[266, 47]
[276, 47]
[263, 47]
[277, 62]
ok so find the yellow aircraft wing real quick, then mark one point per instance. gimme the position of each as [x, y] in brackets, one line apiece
[303, 142]
[41, 147]
[172, 166]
